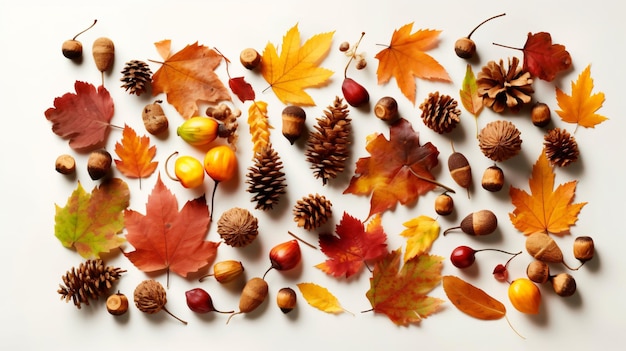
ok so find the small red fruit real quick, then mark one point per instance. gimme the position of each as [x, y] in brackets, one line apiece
[199, 301]
[285, 256]
[501, 273]
[354, 93]
[464, 256]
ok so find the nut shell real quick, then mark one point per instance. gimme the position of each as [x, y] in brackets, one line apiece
[238, 227]
[583, 248]
[103, 52]
[538, 272]
[500, 140]
[564, 284]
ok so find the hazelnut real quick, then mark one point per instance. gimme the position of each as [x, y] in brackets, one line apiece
[538, 272]
[583, 248]
[564, 284]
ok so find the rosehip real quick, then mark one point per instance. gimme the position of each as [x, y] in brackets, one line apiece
[501, 273]
[285, 256]
[200, 301]
[464, 256]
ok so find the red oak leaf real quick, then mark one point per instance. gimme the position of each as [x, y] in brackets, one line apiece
[397, 171]
[84, 117]
[242, 89]
[165, 239]
[353, 245]
[544, 59]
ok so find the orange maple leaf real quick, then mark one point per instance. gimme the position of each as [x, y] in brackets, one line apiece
[405, 58]
[135, 154]
[544, 210]
[581, 106]
[297, 67]
[188, 77]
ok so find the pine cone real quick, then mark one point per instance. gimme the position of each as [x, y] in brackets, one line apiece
[238, 227]
[440, 112]
[561, 147]
[87, 282]
[266, 179]
[136, 77]
[500, 140]
[501, 88]
[327, 147]
[312, 211]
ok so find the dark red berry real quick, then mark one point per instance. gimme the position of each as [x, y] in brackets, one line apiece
[501, 273]
[354, 93]
[463, 256]
[199, 301]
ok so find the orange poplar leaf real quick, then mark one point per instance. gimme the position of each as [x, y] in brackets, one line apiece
[135, 154]
[405, 58]
[580, 107]
[400, 293]
[545, 209]
[297, 67]
[472, 300]
[188, 77]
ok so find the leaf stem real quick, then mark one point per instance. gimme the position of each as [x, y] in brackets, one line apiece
[213, 200]
[432, 181]
[483, 22]
[88, 28]
[171, 314]
[508, 47]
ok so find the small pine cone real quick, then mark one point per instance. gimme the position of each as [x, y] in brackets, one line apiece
[561, 147]
[312, 211]
[328, 146]
[238, 227]
[87, 282]
[500, 140]
[136, 77]
[501, 87]
[440, 112]
[266, 179]
[150, 296]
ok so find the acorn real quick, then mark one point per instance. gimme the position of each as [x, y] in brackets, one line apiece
[293, 122]
[540, 114]
[444, 204]
[65, 164]
[286, 299]
[117, 304]
[465, 47]
[103, 52]
[563, 284]
[493, 179]
[387, 109]
[250, 58]
[538, 271]
[99, 164]
[225, 271]
[72, 48]
[154, 118]
[478, 223]
[583, 248]
[460, 170]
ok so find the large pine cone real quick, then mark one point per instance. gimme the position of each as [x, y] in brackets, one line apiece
[328, 147]
[312, 211]
[266, 179]
[136, 77]
[89, 281]
[502, 87]
[500, 140]
[561, 147]
[440, 112]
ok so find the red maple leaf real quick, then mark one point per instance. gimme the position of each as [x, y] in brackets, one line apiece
[544, 59]
[353, 245]
[84, 117]
[165, 239]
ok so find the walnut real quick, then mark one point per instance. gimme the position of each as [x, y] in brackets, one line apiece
[500, 140]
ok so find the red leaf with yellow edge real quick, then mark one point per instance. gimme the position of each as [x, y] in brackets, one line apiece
[352, 246]
[166, 239]
[581, 106]
[400, 293]
[544, 59]
[405, 59]
[135, 154]
[472, 300]
[545, 209]
[398, 169]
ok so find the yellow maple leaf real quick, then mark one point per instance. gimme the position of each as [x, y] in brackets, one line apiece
[421, 232]
[580, 107]
[297, 67]
[320, 298]
[545, 209]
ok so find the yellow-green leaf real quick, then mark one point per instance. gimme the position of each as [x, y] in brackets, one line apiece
[320, 298]
[421, 232]
[470, 99]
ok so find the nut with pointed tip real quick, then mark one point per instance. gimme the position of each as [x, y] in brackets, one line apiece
[285, 256]
[103, 52]
[387, 109]
[293, 122]
[286, 299]
[478, 223]
[460, 170]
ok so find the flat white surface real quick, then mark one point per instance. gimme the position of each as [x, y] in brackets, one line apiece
[34, 73]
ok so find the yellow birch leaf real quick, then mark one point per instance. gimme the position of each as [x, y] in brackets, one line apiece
[421, 232]
[320, 298]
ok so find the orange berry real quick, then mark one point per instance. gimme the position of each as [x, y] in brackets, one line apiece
[220, 163]
[525, 296]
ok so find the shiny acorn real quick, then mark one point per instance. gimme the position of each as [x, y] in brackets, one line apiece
[293, 118]
[286, 299]
[284, 256]
[225, 271]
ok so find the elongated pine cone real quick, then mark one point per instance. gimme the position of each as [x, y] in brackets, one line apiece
[136, 77]
[440, 112]
[87, 282]
[150, 296]
[561, 147]
[312, 211]
[502, 87]
[328, 146]
[266, 179]
[500, 140]
[238, 227]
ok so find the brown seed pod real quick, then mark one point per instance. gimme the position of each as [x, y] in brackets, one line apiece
[543, 248]
[444, 204]
[286, 299]
[65, 164]
[563, 284]
[117, 304]
[252, 296]
[225, 271]
[493, 179]
[99, 164]
[540, 114]
[293, 122]
[584, 248]
[538, 272]
[387, 109]
[460, 170]
[103, 52]
[154, 118]
[478, 223]
[238, 227]
[150, 297]
[250, 58]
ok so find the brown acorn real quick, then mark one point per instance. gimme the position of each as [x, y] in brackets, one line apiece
[293, 122]
[72, 48]
[478, 223]
[444, 204]
[493, 179]
[103, 52]
[387, 109]
[225, 271]
[250, 58]
[583, 248]
[460, 170]
[465, 47]
[286, 299]
[117, 304]
[540, 114]
[99, 164]
[65, 164]
[538, 271]
[563, 284]
[252, 296]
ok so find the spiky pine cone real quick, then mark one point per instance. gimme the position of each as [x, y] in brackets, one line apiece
[136, 77]
[312, 211]
[440, 112]
[89, 281]
[502, 87]
[266, 179]
[328, 146]
[561, 147]
[500, 140]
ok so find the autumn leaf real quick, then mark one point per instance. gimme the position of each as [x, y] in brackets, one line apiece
[352, 246]
[470, 98]
[136, 155]
[84, 117]
[166, 239]
[320, 298]
[405, 58]
[545, 209]
[398, 169]
[188, 77]
[241, 88]
[581, 106]
[400, 293]
[472, 300]
[421, 232]
[259, 125]
[297, 67]
[90, 223]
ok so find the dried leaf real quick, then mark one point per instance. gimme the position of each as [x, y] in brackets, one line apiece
[405, 58]
[421, 232]
[581, 106]
[320, 298]
[543, 59]
[259, 125]
[136, 155]
[241, 88]
[83, 118]
[470, 98]
[297, 67]
[90, 223]
[472, 300]
[545, 209]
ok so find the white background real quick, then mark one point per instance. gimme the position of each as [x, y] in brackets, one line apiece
[35, 72]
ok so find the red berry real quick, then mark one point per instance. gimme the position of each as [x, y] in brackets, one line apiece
[199, 301]
[501, 273]
[463, 256]
[354, 93]
[285, 256]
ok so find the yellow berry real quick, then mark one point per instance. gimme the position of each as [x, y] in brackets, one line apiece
[525, 296]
